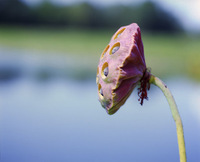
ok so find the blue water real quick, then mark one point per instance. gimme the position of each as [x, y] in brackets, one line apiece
[48, 115]
[62, 120]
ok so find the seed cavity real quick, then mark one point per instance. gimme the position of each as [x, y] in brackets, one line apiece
[105, 70]
[115, 48]
[105, 50]
[100, 90]
[119, 33]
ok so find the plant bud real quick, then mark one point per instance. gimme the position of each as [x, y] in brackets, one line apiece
[121, 67]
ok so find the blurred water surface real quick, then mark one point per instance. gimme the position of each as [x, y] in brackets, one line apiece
[50, 112]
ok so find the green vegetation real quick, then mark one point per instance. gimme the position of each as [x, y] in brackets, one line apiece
[56, 40]
[148, 14]
[167, 55]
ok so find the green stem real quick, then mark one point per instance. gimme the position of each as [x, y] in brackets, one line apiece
[174, 110]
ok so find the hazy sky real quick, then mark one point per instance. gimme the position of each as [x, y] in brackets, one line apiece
[187, 11]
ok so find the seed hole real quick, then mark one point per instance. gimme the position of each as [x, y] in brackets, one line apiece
[115, 48]
[104, 52]
[105, 70]
[119, 33]
[100, 90]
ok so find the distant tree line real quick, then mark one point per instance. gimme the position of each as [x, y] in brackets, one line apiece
[148, 15]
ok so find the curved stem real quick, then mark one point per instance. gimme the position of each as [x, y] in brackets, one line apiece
[174, 110]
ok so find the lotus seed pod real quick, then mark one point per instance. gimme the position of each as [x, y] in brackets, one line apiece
[121, 67]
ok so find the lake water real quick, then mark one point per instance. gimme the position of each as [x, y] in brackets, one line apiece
[47, 116]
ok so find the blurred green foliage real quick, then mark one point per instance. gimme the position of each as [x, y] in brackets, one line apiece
[84, 15]
[166, 54]
[83, 31]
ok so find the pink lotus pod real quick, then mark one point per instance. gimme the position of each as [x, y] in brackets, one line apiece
[121, 67]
